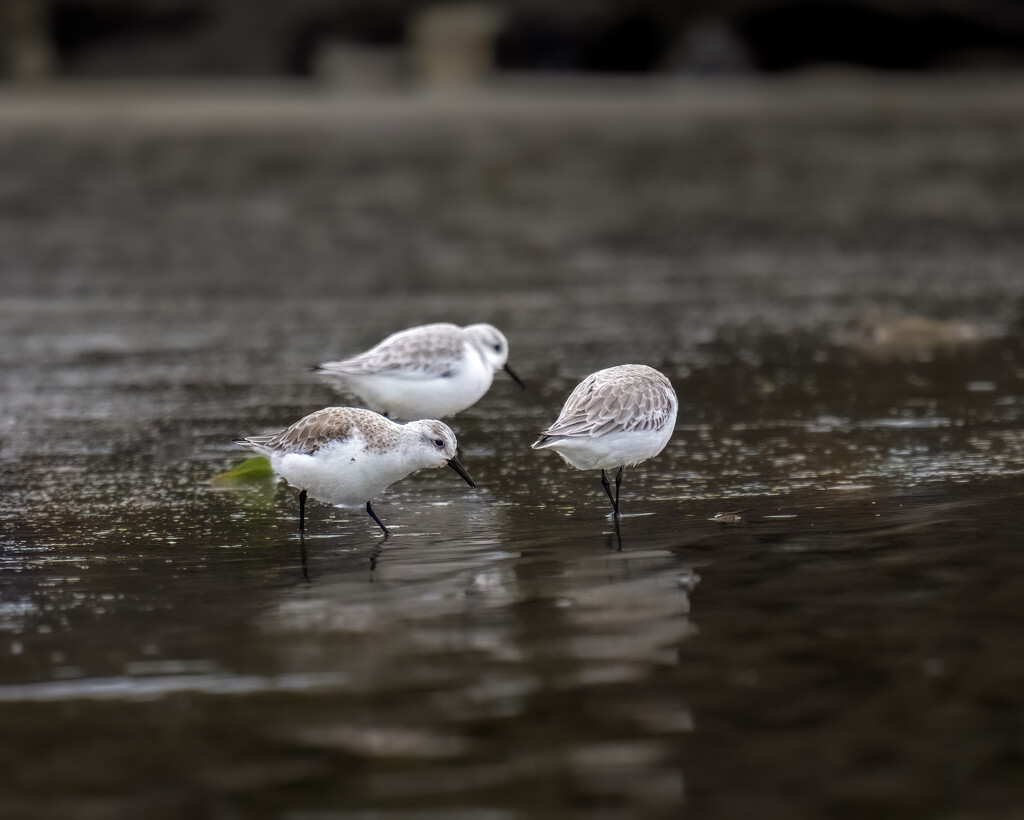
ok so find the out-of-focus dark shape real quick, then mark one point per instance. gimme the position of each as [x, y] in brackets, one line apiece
[111, 37]
[26, 49]
[628, 40]
[382, 43]
[453, 43]
[78, 24]
[356, 44]
[710, 46]
[792, 35]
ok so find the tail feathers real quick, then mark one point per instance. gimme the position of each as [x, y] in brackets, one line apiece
[256, 443]
[546, 441]
[333, 368]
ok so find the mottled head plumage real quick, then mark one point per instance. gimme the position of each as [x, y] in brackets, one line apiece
[437, 439]
[491, 343]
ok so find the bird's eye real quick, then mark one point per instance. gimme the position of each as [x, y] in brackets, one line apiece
[497, 348]
[439, 442]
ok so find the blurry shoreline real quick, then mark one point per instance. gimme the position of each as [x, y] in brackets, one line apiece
[274, 103]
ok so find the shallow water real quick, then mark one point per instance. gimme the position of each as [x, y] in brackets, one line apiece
[810, 607]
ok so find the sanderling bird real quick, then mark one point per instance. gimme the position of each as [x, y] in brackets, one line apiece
[430, 371]
[614, 418]
[347, 456]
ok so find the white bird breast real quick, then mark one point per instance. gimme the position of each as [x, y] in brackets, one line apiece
[612, 450]
[437, 397]
[344, 473]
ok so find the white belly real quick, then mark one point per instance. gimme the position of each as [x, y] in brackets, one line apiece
[345, 475]
[409, 399]
[613, 450]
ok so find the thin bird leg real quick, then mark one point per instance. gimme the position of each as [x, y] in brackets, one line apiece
[618, 533]
[302, 555]
[608, 489]
[302, 511]
[373, 515]
[618, 483]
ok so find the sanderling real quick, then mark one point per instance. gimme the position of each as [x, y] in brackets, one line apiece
[346, 456]
[614, 418]
[430, 371]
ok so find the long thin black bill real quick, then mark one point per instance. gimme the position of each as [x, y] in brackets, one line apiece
[455, 465]
[515, 378]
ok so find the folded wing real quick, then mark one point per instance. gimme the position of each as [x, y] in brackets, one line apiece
[328, 426]
[427, 352]
[596, 408]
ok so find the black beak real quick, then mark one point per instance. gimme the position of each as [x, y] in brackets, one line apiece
[515, 378]
[455, 465]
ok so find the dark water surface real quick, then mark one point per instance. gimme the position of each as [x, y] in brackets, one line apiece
[833, 290]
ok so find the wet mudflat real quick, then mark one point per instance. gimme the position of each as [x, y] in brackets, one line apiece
[810, 607]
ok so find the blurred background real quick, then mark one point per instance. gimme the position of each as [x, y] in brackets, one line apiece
[362, 44]
[808, 214]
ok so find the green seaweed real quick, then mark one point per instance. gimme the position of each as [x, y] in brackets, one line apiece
[252, 469]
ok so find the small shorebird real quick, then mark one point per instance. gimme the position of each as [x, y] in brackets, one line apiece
[614, 418]
[430, 371]
[347, 456]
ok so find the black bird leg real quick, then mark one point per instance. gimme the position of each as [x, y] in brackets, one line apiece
[373, 515]
[302, 555]
[618, 483]
[302, 511]
[608, 489]
[618, 533]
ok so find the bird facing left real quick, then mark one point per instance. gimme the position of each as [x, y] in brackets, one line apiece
[347, 456]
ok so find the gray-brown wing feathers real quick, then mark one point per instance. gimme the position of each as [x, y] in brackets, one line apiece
[597, 407]
[309, 434]
[423, 352]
